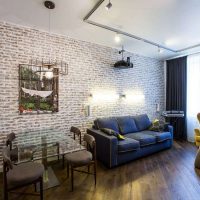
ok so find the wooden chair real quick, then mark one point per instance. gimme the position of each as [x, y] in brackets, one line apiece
[77, 133]
[82, 158]
[197, 133]
[17, 176]
[13, 152]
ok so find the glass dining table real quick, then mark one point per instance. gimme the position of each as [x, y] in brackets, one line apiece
[42, 145]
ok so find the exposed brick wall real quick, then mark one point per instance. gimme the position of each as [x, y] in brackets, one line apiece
[90, 70]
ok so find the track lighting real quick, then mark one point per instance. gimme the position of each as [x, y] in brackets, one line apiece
[108, 6]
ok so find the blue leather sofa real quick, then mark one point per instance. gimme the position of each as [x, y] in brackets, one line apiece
[138, 142]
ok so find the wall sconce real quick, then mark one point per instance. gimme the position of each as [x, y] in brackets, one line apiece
[122, 96]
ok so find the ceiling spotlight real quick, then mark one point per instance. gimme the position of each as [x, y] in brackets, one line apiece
[117, 38]
[108, 6]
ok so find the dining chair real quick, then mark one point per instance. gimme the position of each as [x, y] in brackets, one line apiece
[17, 176]
[76, 132]
[14, 151]
[9, 143]
[197, 133]
[83, 158]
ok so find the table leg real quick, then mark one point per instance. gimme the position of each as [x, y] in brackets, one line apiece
[44, 162]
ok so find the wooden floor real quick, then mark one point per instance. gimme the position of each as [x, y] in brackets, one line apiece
[167, 175]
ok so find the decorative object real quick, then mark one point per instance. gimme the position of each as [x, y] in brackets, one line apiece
[157, 107]
[37, 93]
[87, 110]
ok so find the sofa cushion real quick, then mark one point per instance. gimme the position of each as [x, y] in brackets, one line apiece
[144, 139]
[142, 122]
[110, 123]
[128, 145]
[126, 125]
[160, 136]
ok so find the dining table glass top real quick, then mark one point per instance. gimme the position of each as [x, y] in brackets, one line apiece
[40, 144]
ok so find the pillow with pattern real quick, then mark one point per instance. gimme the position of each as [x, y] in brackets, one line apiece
[158, 126]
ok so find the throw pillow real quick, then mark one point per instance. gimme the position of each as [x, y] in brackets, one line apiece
[112, 132]
[157, 126]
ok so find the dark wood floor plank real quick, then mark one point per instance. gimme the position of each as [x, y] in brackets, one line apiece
[167, 175]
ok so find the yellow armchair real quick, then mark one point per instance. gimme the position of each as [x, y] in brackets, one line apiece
[197, 132]
[197, 137]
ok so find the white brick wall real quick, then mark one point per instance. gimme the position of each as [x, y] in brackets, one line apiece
[90, 70]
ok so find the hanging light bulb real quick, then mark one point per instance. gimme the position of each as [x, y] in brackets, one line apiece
[49, 74]
[108, 6]
[117, 38]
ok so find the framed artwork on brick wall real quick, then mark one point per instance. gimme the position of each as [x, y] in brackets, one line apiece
[38, 89]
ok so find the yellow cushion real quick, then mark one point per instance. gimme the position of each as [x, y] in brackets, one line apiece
[197, 138]
[197, 132]
[120, 137]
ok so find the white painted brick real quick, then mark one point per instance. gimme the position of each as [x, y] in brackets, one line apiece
[90, 68]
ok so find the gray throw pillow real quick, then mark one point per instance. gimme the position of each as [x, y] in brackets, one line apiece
[112, 132]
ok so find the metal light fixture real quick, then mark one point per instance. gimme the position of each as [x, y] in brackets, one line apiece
[49, 74]
[108, 6]
[47, 66]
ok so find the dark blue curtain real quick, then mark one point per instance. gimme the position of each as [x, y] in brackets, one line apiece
[176, 93]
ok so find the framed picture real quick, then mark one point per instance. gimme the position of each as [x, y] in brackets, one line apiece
[38, 89]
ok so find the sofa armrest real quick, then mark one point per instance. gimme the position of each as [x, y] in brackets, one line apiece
[170, 128]
[106, 147]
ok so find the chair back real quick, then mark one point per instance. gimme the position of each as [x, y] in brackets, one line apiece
[9, 140]
[6, 159]
[76, 131]
[91, 144]
[198, 117]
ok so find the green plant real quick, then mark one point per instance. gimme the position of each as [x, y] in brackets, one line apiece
[29, 106]
[45, 106]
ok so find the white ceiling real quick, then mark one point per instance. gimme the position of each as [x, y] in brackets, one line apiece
[172, 23]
